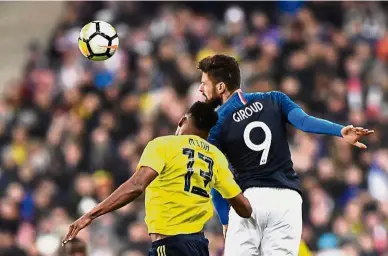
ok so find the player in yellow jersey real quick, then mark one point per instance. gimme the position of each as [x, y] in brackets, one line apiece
[177, 174]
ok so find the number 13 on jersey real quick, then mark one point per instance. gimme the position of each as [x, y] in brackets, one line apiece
[206, 175]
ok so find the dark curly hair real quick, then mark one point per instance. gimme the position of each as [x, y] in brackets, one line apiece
[204, 116]
[222, 68]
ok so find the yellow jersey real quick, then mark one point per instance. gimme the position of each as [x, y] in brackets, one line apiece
[178, 201]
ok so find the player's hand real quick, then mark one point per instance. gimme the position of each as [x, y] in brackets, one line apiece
[224, 230]
[76, 227]
[352, 135]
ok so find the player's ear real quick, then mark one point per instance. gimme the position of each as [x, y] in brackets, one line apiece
[221, 87]
[183, 119]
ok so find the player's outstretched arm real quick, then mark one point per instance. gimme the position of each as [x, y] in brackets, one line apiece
[302, 121]
[311, 124]
[352, 135]
[126, 193]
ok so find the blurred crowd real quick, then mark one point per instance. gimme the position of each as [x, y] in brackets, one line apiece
[72, 130]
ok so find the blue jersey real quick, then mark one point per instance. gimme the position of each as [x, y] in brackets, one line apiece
[252, 133]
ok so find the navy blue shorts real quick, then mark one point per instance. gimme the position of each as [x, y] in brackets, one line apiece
[181, 245]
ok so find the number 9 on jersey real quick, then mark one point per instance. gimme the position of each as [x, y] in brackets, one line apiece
[265, 145]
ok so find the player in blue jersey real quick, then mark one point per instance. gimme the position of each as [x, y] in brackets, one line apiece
[251, 132]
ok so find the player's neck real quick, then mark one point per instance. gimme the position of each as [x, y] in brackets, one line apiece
[226, 96]
[202, 135]
[198, 133]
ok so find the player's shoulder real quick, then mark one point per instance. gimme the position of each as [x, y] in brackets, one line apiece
[174, 141]
[274, 95]
[163, 140]
[169, 145]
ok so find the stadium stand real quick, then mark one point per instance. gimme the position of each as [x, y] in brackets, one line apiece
[72, 130]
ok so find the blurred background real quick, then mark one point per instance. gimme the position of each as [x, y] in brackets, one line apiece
[72, 130]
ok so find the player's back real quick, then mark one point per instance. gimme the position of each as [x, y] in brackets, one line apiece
[178, 201]
[251, 131]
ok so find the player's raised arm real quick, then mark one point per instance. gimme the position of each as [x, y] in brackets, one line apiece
[151, 164]
[302, 121]
[126, 193]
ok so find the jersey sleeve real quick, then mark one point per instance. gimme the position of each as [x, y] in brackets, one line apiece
[285, 103]
[224, 180]
[154, 155]
[302, 121]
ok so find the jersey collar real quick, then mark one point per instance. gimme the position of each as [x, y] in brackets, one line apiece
[241, 96]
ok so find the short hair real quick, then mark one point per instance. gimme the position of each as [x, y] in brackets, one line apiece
[73, 246]
[222, 68]
[204, 116]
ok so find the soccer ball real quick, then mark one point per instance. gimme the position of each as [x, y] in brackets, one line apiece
[98, 40]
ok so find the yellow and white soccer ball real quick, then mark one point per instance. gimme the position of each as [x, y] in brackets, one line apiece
[98, 40]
